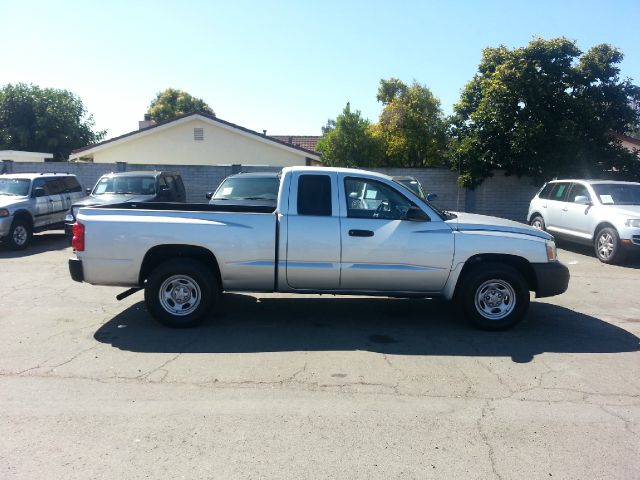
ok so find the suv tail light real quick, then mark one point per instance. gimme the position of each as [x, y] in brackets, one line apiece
[77, 242]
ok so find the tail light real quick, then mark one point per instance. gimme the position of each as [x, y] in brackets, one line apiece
[77, 242]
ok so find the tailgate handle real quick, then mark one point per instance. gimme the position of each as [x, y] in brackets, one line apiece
[360, 233]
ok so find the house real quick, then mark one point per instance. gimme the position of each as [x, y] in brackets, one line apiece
[307, 142]
[21, 156]
[630, 143]
[196, 139]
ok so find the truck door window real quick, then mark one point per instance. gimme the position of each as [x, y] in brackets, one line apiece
[372, 199]
[314, 195]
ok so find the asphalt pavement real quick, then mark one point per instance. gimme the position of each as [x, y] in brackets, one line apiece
[282, 386]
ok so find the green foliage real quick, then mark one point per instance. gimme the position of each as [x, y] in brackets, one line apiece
[411, 127]
[347, 141]
[545, 110]
[172, 103]
[44, 120]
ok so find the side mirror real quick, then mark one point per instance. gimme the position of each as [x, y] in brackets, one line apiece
[431, 197]
[39, 192]
[414, 214]
[87, 190]
[582, 200]
[208, 195]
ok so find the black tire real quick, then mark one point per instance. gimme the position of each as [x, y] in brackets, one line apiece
[538, 222]
[170, 284]
[20, 235]
[502, 285]
[606, 245]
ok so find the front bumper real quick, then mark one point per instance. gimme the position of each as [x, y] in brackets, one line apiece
[552, 278]
[75, 269]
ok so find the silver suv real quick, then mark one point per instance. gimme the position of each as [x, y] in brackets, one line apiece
[602, 213]
[33, 202]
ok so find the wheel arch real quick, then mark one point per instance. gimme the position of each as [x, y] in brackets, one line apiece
[600, 226]
[161, 253]
[535, 213]
[520, 264]
[23, 215]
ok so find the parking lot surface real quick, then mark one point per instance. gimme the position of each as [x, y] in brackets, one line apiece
[281, 386]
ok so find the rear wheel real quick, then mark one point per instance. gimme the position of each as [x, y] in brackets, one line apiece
[180, 292]
[607, 246]
[537, 222]
[494, 296]
[20, 235]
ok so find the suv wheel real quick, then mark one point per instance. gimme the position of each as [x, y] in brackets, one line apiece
[20, 235]
[494, 296]
[537, 222]
[180, 292]
[607, 245]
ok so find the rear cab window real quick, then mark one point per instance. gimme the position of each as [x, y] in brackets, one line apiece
[314, 195]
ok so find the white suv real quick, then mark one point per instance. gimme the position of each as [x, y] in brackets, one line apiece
[33, 202]
[602, 213]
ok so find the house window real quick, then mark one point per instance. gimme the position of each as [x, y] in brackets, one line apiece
[198, 134]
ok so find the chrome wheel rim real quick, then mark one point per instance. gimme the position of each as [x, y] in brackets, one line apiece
[180, 295]
[20, 235]
[605, 245]
[537, 223]
[495, 299]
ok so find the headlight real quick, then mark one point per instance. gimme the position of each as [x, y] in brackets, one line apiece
[552, 253]
[632, 222]
[4, 212]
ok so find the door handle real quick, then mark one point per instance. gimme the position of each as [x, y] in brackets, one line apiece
[50, 201]
[360, 233]
[565, 209]
[544, 206]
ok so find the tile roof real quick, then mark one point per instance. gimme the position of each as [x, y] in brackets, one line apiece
[308, 142]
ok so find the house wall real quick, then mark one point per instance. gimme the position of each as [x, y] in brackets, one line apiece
[176, 146]
[502, 196]
[22, 157]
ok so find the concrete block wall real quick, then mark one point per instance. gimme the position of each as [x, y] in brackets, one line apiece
[502, 196]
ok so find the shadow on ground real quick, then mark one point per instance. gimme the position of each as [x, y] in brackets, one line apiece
[404, 327]
[631, 259]
[42, 242]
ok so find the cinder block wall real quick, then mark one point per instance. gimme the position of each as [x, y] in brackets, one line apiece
[502, 196]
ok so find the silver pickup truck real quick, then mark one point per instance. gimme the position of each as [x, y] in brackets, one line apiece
[339, 231]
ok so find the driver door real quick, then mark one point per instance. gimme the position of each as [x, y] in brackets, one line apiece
[382, 251]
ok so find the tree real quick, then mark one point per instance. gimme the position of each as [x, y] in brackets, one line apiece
[412, 126]
[545, 110]
[347, 141]
[44, 120]
[172, 103]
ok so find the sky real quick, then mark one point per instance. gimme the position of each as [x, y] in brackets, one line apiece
[282, 66]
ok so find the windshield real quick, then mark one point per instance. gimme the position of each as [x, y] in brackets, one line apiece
[125, 185]
[18, 187]
[618, 193]
[248, 188]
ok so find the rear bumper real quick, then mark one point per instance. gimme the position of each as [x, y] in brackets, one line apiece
[551, 278]
[75, 269]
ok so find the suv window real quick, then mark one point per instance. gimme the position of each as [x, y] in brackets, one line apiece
[577, 190]
[372, 199]
[314, 195]
[546, 190]
[72, 185]
[559, 191]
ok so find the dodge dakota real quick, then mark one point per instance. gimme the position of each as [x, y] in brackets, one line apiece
[332, 230]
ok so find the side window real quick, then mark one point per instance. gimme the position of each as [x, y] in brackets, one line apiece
[577, 190]
[544, 193]
[56, 186]
[372, 199]
[559, 192]
[72, 185]
[40, 182]
[314, 195]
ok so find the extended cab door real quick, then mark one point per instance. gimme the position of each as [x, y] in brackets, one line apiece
[384, 252]
[313, 232]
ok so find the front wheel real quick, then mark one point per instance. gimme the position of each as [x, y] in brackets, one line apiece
[607, 246]
[494, 296]
[537, 222]
[179, 293]
[20, 235]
